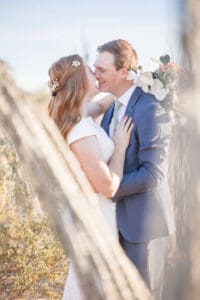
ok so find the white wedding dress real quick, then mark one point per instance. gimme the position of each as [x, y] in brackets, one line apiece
[87, 127]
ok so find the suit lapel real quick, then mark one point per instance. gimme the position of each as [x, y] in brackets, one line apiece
[107, 118]
[133, 100]
[129, 110]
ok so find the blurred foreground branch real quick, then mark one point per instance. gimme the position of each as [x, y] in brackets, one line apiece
[192, 44]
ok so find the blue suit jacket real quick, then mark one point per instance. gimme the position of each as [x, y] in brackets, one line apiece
[144, 205]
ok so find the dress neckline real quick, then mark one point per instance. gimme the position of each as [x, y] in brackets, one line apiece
[87, 118]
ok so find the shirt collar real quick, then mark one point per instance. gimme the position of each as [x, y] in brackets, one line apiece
[126, 96]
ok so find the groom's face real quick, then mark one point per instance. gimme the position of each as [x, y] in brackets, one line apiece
[108, 77]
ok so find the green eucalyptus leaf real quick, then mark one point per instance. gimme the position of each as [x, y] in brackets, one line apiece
[130, 68]
[140, 68]
[155, 75]
[165, 59]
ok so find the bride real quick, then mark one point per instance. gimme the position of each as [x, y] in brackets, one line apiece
[72, 86]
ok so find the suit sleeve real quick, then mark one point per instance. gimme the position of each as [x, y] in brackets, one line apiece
[153, 130]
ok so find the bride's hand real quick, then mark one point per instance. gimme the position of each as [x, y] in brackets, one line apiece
[123, 132]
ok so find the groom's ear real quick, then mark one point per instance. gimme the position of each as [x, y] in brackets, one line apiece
[124, 72]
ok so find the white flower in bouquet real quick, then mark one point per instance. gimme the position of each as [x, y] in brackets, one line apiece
[143, 85]
[158, 89]
[162, 83]
[132, 75]
[145, 81]
[161, 95]
[146, 78]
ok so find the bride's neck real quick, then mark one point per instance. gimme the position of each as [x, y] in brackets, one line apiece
[84, 108]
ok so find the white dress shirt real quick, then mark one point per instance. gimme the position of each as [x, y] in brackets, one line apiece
[124, 99]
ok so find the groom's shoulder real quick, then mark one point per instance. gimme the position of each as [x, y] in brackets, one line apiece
[146, 98]
[147, 102]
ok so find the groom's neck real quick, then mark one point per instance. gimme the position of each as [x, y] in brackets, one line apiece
[119, 91]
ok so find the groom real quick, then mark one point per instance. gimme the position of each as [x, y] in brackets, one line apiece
[144, 206]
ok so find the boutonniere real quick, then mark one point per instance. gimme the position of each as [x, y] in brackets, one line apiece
[132, 74]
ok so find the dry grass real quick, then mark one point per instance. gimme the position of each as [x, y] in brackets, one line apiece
[33, 264]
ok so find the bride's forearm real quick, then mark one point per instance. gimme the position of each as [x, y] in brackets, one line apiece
[116, 166]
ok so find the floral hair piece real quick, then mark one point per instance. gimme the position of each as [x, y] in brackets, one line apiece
[76, 63]
[53, 85]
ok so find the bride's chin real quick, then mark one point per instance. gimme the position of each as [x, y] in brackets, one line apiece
[102, 89]
[96, 91]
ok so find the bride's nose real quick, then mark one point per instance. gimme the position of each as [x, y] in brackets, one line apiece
[97, 74]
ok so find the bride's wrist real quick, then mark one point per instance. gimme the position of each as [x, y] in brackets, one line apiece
[120, 148]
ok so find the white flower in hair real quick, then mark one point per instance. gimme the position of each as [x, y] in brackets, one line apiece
[53, 85]
[76, 63]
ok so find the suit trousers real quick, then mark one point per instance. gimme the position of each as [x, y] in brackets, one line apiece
[150, 260]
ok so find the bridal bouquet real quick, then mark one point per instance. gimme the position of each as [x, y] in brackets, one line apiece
[162, 83]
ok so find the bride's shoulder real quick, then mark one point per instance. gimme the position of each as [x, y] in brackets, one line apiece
[85, 127]
[86, 121]
[84, 124]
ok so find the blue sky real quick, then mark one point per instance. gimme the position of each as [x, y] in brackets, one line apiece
[35, 33]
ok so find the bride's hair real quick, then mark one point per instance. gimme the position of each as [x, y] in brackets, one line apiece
[124, 54]
[69, 85]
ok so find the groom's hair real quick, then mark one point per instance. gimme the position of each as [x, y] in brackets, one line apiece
[124, 54]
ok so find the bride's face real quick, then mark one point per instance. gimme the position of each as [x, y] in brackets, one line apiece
[92, 83]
